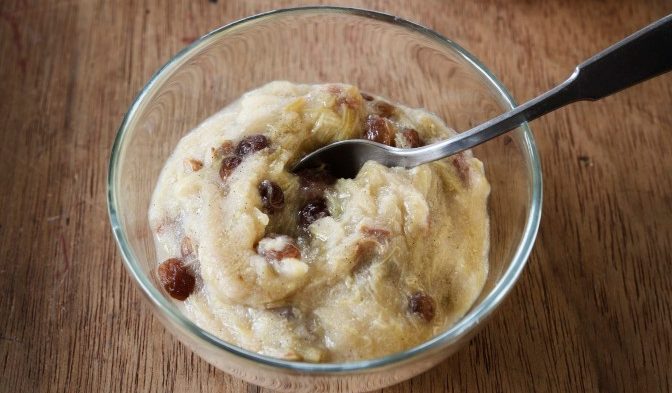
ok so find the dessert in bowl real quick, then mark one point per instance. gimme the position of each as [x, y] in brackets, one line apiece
[420, 70]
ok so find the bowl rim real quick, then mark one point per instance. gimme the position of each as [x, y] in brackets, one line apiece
[466, 324]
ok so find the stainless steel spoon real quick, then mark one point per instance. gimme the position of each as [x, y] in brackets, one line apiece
[643, 55]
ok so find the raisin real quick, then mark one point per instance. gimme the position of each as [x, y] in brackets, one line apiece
[367, 96]
[412, 137]
[228, 165]
[313, 182]
[313, 211]
[421, 304]
[376, 129]
[186, 246]
[251, 144]
[384, 109]
[272, 197]
[194, 165]
[176, 279]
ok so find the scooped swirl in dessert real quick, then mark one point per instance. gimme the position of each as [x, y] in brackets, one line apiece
[305, 266]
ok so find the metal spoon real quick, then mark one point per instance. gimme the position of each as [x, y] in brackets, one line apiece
[643, 55]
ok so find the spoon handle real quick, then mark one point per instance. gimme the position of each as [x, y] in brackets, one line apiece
[642, 55]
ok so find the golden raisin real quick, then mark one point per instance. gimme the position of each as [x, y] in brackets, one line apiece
[176, 279]
[421, 304]
[376, 129]
[228, 165]
[412, 137]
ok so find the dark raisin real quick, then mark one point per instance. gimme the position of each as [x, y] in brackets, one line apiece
[412, 137]
[313, 211]
[228, 165]
[313, 182]
[195, 165]
[421, 304]
[251, 144]
[367, 96]
[384, 109]
[376, 129]
[186, 246]
[272, 196]
[176, 279]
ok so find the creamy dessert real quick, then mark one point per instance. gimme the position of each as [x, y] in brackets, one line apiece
[305, 266]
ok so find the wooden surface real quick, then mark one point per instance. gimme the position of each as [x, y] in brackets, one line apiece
[591, 312]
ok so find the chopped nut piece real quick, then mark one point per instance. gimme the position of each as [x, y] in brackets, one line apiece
[194, 165]
[176, 279]
[272, 197]
[421, 304]
[251, 144]
[313, 211]
[228, 165]
[376, 129]
[412, 137]
[224, 149]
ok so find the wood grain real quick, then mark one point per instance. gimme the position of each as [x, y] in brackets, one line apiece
[591, 311]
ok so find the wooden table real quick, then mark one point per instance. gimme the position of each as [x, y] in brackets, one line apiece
[591, 311]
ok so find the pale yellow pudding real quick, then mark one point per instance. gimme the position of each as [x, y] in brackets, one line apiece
[307, 267]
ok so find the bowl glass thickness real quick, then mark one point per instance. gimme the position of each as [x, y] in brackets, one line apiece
[380, 54]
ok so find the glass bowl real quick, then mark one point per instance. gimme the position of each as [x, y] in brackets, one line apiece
[379, 53]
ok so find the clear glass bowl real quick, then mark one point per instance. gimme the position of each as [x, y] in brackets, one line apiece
[379, 53]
